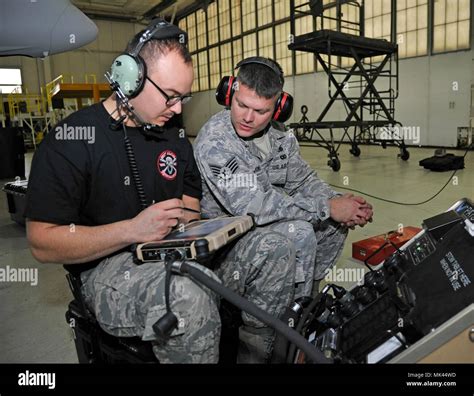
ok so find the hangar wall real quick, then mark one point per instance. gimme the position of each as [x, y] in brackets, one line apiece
[426, 84]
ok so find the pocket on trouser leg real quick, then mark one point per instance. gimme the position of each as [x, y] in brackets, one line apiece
[116, 312]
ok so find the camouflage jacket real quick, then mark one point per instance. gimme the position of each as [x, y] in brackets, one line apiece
[238, 181]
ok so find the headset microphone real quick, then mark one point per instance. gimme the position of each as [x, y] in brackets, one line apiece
[117, 124]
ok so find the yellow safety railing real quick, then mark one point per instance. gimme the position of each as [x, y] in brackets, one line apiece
[39, 104]
[24, 103]
[53, 86]
[90, 78]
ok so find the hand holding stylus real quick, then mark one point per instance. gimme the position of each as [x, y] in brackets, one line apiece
[157, 221]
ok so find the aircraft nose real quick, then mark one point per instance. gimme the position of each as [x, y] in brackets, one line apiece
[72, 30]
[43, 28]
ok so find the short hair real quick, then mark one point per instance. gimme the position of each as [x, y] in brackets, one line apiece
[264, 81]
[154, 49]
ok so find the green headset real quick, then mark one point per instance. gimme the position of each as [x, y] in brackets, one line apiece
[128, 71]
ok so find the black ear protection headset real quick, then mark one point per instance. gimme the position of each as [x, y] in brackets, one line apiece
[227, 87]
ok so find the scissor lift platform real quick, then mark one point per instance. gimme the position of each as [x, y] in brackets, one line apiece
[368, 113]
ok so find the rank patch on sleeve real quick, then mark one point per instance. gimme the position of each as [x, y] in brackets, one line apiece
[225, 172]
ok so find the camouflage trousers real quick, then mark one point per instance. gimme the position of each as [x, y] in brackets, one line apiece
[261, 268]
[273, 265]
[128, 299]
[317, 249]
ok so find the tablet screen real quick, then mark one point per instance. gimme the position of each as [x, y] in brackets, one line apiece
[200, 230]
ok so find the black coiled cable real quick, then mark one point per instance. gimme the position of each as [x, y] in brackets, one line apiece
[134, 169]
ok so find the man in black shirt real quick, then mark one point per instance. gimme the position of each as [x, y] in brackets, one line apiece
[83, 209]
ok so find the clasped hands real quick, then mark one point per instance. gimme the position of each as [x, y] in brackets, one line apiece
[351, 211]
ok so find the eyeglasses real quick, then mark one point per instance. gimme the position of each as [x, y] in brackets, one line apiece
[171, 100]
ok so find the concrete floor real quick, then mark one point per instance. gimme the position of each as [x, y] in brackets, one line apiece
[33, 327]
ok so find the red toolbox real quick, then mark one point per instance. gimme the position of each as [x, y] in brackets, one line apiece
[362, 250]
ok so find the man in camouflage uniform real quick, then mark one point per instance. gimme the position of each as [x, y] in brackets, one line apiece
[250, 167]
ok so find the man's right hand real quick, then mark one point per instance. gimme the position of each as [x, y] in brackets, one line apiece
[77, 244]
[156, 221]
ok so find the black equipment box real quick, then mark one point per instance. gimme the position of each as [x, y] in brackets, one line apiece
[421, 286]
[12, 153]
[442, 284]
[442, 164]
[16, 198]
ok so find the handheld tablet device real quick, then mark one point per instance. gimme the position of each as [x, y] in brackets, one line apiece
[197, 240]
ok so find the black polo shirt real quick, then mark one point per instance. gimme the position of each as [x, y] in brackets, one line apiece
[80, 173]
